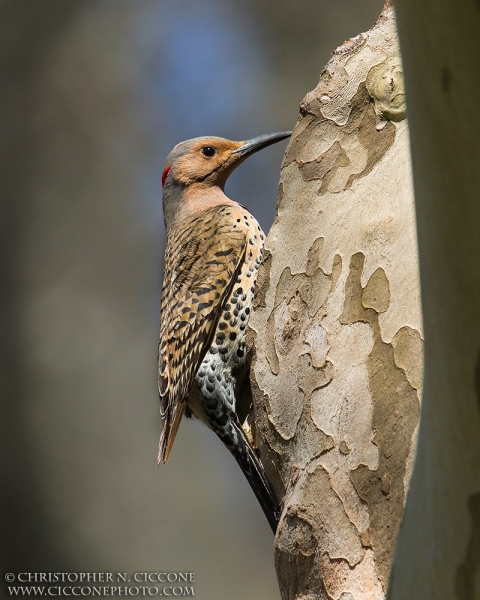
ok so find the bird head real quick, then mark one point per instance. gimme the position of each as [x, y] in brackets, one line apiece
[206, 162]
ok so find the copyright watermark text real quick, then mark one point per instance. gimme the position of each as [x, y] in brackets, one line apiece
[158, 583]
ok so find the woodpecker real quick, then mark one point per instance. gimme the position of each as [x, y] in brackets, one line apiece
[214, 248]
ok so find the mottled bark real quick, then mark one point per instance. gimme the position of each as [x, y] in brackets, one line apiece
[337, 330]
[438, 555]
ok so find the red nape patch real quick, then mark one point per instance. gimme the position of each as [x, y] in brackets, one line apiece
[165, 173]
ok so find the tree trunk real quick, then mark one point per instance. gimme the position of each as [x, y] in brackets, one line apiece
[438, 555]
[337, 331]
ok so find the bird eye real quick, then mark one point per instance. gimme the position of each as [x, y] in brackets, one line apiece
[209, 151]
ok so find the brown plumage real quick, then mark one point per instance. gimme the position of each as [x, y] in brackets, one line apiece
[201, 265]
[214, 248]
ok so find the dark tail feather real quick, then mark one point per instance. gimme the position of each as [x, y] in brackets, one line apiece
[234, 438]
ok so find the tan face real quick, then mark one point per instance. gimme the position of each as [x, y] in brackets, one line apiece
[207, 158]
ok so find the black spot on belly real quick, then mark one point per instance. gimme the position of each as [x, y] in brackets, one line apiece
[243, 316]
[232, 335]
[240, 353]
[223, 350]
[222, 325]
[226, 316]
[211, 378]
[213, 350]
[210, 387]
[247, 310]
[222, 420]
[210, 402]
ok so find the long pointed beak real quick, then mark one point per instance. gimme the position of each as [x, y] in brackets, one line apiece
[261, 141]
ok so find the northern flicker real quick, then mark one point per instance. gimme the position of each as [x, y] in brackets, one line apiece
[214, 249]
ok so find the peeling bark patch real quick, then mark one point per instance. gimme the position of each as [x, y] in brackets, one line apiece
[386, 86]
[300, 140]
[325, 166]
[295, 559]
[467, 572]
[376, 142]
[335, 532]
[283, 342]
[313, 256]
[285, 287]
[336, 270]
[395, 416]
[361, 145]
[263, 281]
[309, 377]
[331, 81]
[298, 297]
[351, 45]
[281, 189]
[288, 324]
[270, 350]
[267, 439]
[362, 581]
[376, 294]
[353, 309]
[408, 353]
[308, 436]
[313, 290]
[316, 337]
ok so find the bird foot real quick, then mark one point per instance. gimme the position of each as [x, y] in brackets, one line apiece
[248, 432]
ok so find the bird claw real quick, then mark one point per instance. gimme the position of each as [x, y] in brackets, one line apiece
[248, 432]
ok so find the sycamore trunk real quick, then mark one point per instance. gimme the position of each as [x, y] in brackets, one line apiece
[337, 328]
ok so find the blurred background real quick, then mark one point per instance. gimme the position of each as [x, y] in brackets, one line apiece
[95, 93]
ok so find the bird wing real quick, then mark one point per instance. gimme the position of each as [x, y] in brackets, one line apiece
[205, 252]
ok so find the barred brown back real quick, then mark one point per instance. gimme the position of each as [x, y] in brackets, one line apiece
[204, 254]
